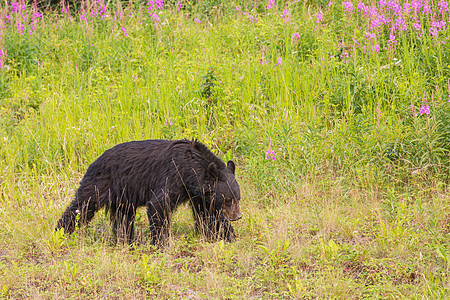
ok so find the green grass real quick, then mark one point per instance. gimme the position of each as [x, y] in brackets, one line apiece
[355, 206]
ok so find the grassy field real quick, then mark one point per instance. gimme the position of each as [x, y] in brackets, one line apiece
[337, 116]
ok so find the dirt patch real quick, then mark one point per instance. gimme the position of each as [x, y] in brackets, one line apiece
[4, 255]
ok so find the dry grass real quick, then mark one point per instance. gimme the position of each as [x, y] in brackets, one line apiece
[324, 241]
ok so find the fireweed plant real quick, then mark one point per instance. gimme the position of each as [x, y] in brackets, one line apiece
[336, 113]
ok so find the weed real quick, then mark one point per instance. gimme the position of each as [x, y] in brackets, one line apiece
[152, 272]
[57, 240]
[442, 253]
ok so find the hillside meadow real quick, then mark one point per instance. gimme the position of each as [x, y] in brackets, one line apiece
[337, 115]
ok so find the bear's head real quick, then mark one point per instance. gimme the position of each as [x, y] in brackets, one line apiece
[224, 190]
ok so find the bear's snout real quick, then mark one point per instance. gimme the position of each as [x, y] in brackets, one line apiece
[233, 212]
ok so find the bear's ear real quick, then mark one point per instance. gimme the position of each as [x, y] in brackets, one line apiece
[212, 170]
[231, 166]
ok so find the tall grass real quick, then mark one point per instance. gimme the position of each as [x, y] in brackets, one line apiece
[338, 115]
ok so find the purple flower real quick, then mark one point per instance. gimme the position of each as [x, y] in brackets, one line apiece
[348, 6]
[330, 3]
[417, 27]
[168, 122]
[392, 38]
[443, 6]
[21, 27]
[253, 18]
[426, 10]
[155, 17]
[151, 5]
[376, 48]
[395, 7]
[425, 110]
[280, 60]
[2, 57]
[370, 35]
[373, 13]
[14, 7]
[406, 7]
[375, 23]
[270, 4]
[270, 154]
[433, 31]
[416, 4]
[363, 7]
[124, 31]
[286, 16]
[160, 4]
[295, 36]
[64, 9]
[319, 17]
[197, 20]
[400, 24]
[32, 29]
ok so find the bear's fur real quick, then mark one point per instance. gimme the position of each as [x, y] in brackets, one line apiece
[160, 174]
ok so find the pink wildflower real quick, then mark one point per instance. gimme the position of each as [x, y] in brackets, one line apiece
[2, 58]
[443, 6]
[280, 60]
[376, 48]
[286, 16]
[124, 31]
[270, 154]
[370, 35]
[425, 110]
[348, 6]
[319, 17]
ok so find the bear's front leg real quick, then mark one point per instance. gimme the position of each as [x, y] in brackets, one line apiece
[212, 225]
[226, 231]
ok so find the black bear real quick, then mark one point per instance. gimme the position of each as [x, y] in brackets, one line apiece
[160, 174]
